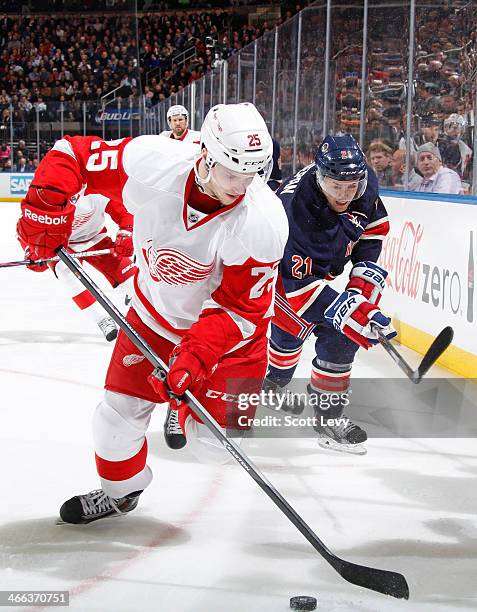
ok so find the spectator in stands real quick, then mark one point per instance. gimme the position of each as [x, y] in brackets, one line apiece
[304, 155]
[23, 166]
[379, 157]
[5, 151]
[7, 166]
[393, 115]
[21, 146]
[429, 132]
[436, 178]
[427, 102]
[456, 154]
[398, 165]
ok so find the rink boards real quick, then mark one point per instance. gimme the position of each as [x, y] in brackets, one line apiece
[14, 185]
[431, 253]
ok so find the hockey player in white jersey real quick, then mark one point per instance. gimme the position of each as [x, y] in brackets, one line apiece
[208, 234]
[178, 121]
[89, 234]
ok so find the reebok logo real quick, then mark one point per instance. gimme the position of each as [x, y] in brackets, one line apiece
[45, 219]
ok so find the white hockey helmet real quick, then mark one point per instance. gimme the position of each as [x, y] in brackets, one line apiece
[177, 109]
[456, 119]
[236, 136]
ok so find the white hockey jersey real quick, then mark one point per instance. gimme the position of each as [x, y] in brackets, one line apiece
[188, 261]
[191, 136]
[90, 217]
[88, 223]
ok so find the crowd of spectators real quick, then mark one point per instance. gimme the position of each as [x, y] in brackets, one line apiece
[72, 59]
[443, 105]
[93, 6]
[24, 158]
[439, 158]
[51, 65]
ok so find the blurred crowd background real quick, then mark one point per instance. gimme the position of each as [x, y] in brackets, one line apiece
[401, 78]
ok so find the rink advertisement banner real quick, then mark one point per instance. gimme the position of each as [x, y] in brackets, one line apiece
[431, 254]
[124, 115]
[14, 185]
[383, 407]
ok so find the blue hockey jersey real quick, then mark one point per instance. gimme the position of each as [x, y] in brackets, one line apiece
[322, 241]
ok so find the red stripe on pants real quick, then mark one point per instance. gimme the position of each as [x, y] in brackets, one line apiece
[122, 470]
[84, 299]
[334, 384]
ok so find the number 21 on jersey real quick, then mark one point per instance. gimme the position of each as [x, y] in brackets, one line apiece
[299, 263]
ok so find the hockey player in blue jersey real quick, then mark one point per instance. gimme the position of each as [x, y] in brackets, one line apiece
[335, 216]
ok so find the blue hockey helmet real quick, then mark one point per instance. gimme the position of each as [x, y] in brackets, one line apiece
[341, 159]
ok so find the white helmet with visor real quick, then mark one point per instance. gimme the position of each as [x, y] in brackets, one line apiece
[236, 136]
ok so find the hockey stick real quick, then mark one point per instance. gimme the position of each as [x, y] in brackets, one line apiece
[383, 581]
[40, 262]
[439, 345]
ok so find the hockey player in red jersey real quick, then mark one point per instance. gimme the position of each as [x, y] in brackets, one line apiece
[178, 121]
[89, 234]
[208, 235]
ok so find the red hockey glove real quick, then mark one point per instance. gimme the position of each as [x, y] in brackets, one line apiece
[46, 222]
[368, 279]
[354, 317]
[35, 268]
[124, 242]
[187, 370]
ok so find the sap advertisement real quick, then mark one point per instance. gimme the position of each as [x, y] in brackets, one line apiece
[431, 253]
[14, 186]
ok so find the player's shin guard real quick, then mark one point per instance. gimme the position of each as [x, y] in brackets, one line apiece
[328, 393]
[282, 365]
[119, 427]
[282, 362]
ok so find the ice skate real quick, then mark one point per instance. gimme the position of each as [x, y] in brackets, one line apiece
[340, 434]
[277, 396]
[109, 329]
[173, 434]
[83, 509]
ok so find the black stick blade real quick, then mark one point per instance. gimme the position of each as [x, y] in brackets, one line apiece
[436, 349]
[382, 581]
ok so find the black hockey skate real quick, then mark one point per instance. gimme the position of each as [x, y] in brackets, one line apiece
[109, 329]
[336, 431]
[341, 435]
[173, 434]
[96, 505]
[289, 401]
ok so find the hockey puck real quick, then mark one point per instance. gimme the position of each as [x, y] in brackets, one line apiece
[302, 602]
